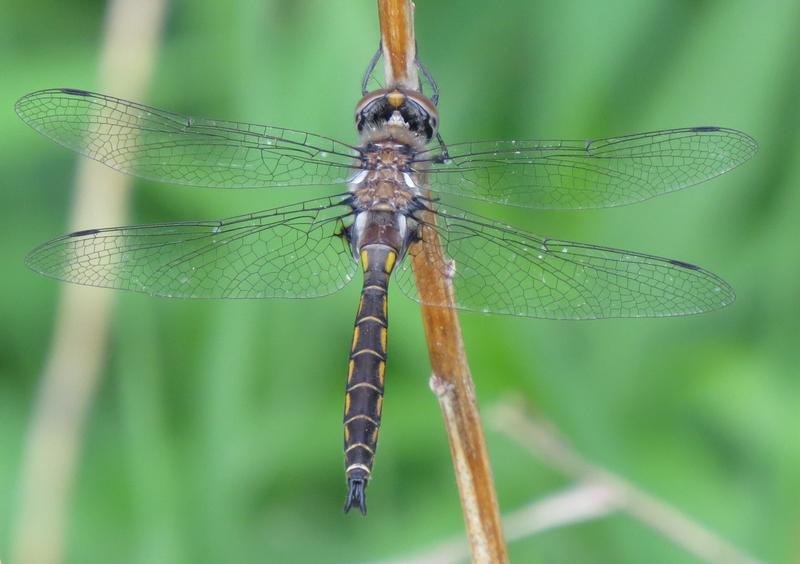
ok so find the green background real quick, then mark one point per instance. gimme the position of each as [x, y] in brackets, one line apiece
[216, 433]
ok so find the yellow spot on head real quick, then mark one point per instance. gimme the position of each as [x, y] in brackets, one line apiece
[346, 403]
[381, 372]
[356, 333]
[364, 260]
[396, 98]
[383, 339]
[391, 258]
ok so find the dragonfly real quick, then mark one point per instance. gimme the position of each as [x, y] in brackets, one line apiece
[388, 207]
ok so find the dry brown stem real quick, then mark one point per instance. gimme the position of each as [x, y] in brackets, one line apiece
[451, 380]
[78, 346]
[398, 42]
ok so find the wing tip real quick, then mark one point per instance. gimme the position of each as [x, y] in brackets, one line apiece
[21, 106]
[747, 141]
[33, 263]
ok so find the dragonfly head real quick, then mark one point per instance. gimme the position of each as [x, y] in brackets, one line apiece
[398, 107]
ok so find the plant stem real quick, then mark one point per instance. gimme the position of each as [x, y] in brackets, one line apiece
[77, 351]
[451, 380]
[541, 439]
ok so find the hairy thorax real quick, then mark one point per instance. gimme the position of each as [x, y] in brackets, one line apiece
[388, 182]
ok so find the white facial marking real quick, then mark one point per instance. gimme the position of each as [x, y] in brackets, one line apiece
[397, 119]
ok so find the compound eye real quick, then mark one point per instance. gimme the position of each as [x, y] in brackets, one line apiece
[359, 121]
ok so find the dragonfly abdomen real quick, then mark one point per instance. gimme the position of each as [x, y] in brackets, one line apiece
[366, 370]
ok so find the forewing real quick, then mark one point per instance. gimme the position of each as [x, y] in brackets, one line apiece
[168, 147]
[290, 252]
[586, 174]
[498, 269]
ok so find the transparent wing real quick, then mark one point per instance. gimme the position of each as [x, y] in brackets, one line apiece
[586, 174]
[498, 269]
[163, 146]
[288, 252]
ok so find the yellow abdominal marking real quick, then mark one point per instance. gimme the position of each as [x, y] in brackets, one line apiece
[364, 260]
[381, 372]
[380, 405]
[383, 339]
[356, 332]
[346, 434]
[374, 438]
[391, 258]
[347, 403]
[351, 367]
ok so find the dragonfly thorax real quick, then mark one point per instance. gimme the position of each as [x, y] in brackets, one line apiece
[383, 201]
[387, 180]
[397, 107]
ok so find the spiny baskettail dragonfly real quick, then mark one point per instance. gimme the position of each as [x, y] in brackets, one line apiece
[393, 182]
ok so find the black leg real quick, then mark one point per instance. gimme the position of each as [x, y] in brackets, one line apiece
[427, 74]
[445, 155]
[371, 67]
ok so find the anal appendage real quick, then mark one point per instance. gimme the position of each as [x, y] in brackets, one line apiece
[356, 495]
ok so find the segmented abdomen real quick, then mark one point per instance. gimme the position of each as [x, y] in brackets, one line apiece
[366, 370]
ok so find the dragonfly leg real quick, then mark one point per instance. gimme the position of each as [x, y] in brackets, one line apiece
[445, 156]
[370, 68]
[435, 87]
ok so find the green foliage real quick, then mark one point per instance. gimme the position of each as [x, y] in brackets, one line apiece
[216, 433]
